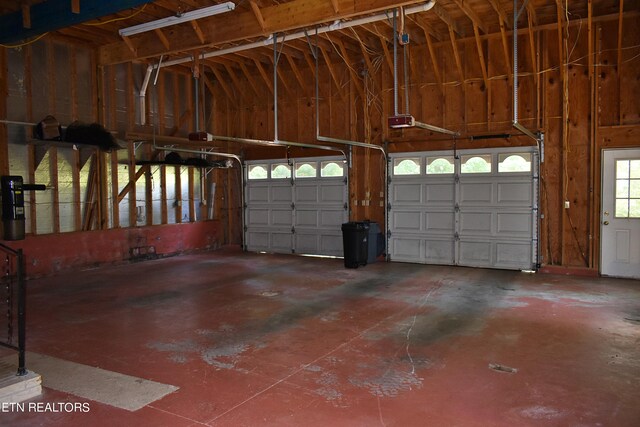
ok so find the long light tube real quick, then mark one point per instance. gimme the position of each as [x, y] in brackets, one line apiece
[173, 20]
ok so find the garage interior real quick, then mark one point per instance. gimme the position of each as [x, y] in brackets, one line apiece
[176, 176]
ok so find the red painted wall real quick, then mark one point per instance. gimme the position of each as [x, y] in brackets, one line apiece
[47, 254]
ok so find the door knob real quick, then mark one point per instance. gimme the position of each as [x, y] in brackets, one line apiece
[606, 223]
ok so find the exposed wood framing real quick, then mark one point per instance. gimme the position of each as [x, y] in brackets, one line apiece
[619, 57]
[298, 74]
[456, 55]
[131, 166]
[446, 18]
[192, 198]
[483, 64]
[75, 6]
[336, 7]
[238, 84]
[223, 83]
[432, 52]
[258, 14]
[162, 37]
[241, 25]
[333, 72]
[199, 33]
[178, 201]
[354, 75]
[472, 15]
[250, 78]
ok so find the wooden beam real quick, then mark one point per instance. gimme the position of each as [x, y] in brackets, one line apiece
[333, 72]
[336, 7]
[296, 72]
[75, 6]
[163, 39]
[444, 16]
[354, 74]
[4, 140]
[258, 14]
[198, 31]
[263, 74]
[432, 53]
[502, 15]
[620, 21]
[472, 15]
[26, 16]
[532, 11]
[507, 51]
[532, 49]
[240, 25]
[236, 81]
[250, 79]
[223, 84]
[456, 55]
[559, 9]
[483, 64]
[129, 44]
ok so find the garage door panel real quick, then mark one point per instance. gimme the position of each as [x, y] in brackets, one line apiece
[281, 194]
[519, 193]
[306, 193]
[331, 218]
[281, 241]
[476, 223]
[439, 194]
[511, 254]
[281, 217]
[258, 217]
[406, 221]
[486, 218]
[407, 193]
[475, 254]
[476, 193]
[516, 224]
[439, 222]
[332, 193]
[258, 194]
[331, 244]
[439, 251]
[306, 243]
[259, 240]
[306, 218]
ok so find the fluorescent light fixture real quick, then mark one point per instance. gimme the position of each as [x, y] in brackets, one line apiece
[173, 20]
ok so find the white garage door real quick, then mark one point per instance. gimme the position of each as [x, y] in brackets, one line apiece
[476, 208]
[296, 205]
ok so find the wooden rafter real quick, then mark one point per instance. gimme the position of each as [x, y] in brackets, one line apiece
[336, 7]
[444, 16]
[559, 9]
[456, 55]
[296, 72]
[129, 44]
[258, 14]
[249, 76]
[483, 64]
[332, 71]
[240, 25]
[263, 74]
[620, 21]
[198, 31]
[238, 84]
[163, 39]
[532, 48]
[502, 15]
[432, 52]
[472, 15]
[75, 6]
[347, 61]
[223, 83]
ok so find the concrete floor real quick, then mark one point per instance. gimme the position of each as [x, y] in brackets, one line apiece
[295, 341]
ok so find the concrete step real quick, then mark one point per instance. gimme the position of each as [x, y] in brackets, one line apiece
[14, 388]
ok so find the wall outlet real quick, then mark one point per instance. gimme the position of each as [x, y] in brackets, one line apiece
[567, 205]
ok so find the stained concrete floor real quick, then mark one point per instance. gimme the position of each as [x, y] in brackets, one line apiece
[294, 341]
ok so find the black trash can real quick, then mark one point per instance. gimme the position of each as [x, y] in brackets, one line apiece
[355, 239]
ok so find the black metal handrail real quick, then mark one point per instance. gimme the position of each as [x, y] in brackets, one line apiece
[17, 278]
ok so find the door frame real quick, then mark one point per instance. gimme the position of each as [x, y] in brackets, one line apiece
[601, 208]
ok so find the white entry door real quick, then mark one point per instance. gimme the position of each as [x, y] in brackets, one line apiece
[296, 205]
[620, 214]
